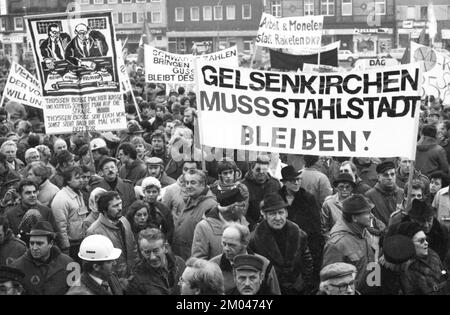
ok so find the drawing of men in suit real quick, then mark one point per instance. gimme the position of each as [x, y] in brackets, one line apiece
[53, 48]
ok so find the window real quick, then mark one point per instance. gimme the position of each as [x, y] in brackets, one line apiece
[231, 12]
[179, 14]
[99, 2]
[246, 11]
[141, 1]
[309, 7]
[2, 24]
[247, 46]
[207, 13]
[347, 7]
[18, 23]
[218, 13]
[115, 18]
[275, 8]
[380, 7]
[159, 37]
[195, 14]
[411, 13]
[84, 1]
[127, 18]
[424, 13]
[155, 1]
[327, 7]
[156, 17]
[126, 1]
[140, 17]
[112, 1]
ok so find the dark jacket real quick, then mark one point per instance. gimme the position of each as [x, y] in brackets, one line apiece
[49, 278]
[88, 286]
[74, 52]
[163, 179]
[385, 201]
[367, 172]
[430, 156]
[10, 180]
[124, 188]
[257, 193]
[349, 245]
[58, 179]
[134, 172]
[294, 268]
[11, 248]
[146, 280]
[46, 47]
[304, 211]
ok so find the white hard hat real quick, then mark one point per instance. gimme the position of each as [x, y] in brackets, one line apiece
[98, 248]
[97, 143]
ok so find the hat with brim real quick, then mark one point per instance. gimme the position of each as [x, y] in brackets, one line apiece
[42, 228]
[344, 178]
[357, 204]
[289, 173]
[273, 202]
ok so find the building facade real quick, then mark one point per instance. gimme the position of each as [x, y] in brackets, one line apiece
[363, 26]
[205, 26]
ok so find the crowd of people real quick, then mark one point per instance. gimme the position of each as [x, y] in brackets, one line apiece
[137, 212]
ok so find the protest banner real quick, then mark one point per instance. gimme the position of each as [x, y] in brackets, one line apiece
[165, 67]
[372, 63]
[303, 32]
[76, 61]
[436, 71]
[21, 86]
[334, 114]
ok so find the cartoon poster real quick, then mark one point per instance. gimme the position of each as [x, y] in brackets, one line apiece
[76, 62]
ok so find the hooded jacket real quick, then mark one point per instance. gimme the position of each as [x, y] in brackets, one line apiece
[186, 223]
[430, 156]
[45, 278]
[385, 201]
[11, 248]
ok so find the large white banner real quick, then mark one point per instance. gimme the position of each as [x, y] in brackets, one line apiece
[21, 86]
[298, 32]
[436, 71]
[334, 114]
[165, 67]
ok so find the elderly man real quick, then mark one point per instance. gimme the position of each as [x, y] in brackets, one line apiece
[98, 255]
[83, 46]
[235, 239]
[285, 245]
[158, 269]
[208, 232]
[349, 239]
[32, 155]
[46, 269]
[11, 280]
[112, 182]
[155, 168]
[40, 173]
[201, 277]
[338, 279]
[11, 247]
[113, 225]
[9, 148]
[386, 195]
[132, 169]
[259, 184]
[200, 200]
[248, 276]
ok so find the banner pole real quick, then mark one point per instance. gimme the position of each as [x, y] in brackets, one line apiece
[410, 179]
[197, 128]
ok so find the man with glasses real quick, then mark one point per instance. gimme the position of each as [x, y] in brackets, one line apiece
[386, 195]
[285, 245]
[350, 168]
[11, 281]
[200, 200]
[337, 279]
[158, 269]
[52, 48]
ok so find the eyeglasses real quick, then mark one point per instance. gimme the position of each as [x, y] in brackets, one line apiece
[421, 241]
[344, 286]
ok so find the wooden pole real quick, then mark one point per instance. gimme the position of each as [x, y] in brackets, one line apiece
[410, 179]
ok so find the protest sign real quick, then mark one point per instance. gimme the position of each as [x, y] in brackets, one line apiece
[290, 32]
[125, 84]
[76, 61]
[164, 67]
[21, 86]
[372, 63]
[334, 114]
[436, 71]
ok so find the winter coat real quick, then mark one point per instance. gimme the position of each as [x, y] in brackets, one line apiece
[441, 203]
[423, 276]
[185, 226]
[45, 278]
[330, 213]
[256, 195]
[219, 186]
[146, 280]
[11, 248]
[270, 282]
[174, 197]
[349, 245]
[125, 189]
[316, 183]
[304, 211]
[134, 172]
[47, 191]
[294, 268]
[86, 285]
[361, 187]
[91, 218]
[70, 211]
[430, 156]
[207, 241]
[121, 238]
[367, 172]
[385, 201]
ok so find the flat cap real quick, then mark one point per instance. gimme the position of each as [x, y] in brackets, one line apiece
[248, 262]
[105, 160]
[384, 166]
[154, 161]
[336, 270]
